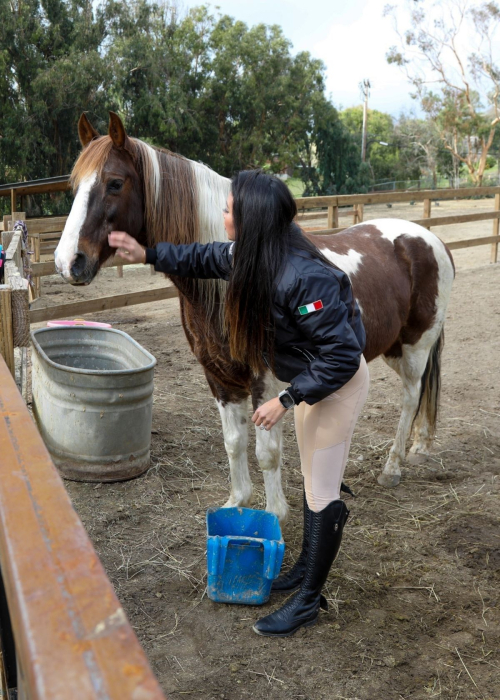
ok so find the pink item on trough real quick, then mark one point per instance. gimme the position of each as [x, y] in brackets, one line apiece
[78, 322]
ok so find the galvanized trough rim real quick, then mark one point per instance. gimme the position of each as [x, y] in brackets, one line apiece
[77, 370]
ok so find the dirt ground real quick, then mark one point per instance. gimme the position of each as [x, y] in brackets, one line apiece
[414, 593]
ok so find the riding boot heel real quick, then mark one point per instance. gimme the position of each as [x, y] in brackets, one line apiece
[302, 609]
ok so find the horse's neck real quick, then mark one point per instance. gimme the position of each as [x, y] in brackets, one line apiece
[199, 292]
[209, 199]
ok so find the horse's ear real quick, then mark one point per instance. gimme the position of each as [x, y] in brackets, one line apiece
[86, 131]
[117, 130]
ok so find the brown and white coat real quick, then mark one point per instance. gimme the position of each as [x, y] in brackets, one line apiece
[401, 275]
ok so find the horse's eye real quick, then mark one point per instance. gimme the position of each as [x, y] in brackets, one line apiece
[115, 185]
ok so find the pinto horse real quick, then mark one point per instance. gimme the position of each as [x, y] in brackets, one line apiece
[400, 272]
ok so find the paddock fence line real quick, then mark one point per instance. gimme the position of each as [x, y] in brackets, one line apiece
[63, 632]
[44, 186]
[331, 203]
[358, 201]
[46, 232]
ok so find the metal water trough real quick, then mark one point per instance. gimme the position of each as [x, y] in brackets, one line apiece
[92, 400]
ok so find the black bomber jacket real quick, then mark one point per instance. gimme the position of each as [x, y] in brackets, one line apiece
[319, 335]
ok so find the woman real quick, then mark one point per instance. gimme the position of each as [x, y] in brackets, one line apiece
[289, 309]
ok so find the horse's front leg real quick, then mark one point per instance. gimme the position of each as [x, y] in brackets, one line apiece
[234, 417]
[268, 449]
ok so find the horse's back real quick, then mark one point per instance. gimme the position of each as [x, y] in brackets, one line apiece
[401, 274]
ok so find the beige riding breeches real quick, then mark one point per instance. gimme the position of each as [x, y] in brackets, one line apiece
[324, 433]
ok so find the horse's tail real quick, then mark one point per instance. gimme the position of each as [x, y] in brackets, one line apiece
[430, 390]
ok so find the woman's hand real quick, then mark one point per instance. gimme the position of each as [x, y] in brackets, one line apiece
[269, 414]
[127, 247]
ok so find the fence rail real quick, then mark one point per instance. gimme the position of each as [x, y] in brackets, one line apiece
[63, 632]
[70, 637]
[358, 201]
[44, 231]
[18, 189]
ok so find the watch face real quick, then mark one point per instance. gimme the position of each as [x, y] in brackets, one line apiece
[286, 400]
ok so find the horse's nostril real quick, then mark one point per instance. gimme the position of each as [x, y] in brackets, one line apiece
[79, 264]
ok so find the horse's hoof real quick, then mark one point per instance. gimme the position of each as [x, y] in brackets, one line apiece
[417, 458]
[282, 514]
[234, 503]
[389, 480]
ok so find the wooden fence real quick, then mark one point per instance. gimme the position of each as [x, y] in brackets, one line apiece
[20, 189]
[63, 631]
[332, 205]
[358, 201]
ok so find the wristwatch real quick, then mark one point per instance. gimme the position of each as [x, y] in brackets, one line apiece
[286, 400]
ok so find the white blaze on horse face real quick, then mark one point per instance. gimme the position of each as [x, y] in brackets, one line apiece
[68, 245]
[349, 263]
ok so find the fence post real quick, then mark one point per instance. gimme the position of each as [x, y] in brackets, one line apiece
[427, 211]
[36, 256]
[496, 227]
[333, 217]
[6, 337]
[358, 212]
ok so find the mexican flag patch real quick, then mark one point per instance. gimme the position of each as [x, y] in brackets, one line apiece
[309, 308]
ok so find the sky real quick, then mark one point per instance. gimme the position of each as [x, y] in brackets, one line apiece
[351, 37]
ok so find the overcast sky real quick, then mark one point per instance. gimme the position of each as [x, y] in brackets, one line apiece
[350, 36]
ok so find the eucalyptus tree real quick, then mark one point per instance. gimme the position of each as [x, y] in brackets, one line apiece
[449, 52]
[51, 68]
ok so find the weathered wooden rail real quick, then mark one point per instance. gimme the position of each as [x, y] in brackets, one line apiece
[358, 201]
[64, 632]
[44, 232]
[45, 186]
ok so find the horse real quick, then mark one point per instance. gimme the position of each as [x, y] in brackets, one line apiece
[401, 275]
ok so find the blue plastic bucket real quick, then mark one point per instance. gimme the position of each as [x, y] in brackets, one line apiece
[244, 554]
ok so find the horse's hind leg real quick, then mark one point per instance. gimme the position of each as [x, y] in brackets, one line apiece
[268, 449]
[410, 366]
[425, 421]
[234, 417]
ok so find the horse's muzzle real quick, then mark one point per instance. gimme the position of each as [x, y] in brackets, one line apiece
[83, 270]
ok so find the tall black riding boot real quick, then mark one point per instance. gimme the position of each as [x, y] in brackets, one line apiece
[293, 578]
[302, 610]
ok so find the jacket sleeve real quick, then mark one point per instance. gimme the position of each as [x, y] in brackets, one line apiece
[202, 261]
[338, 352]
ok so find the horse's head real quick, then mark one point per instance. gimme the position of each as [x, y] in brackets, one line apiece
[108, 196]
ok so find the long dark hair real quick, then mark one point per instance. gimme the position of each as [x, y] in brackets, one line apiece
[263, 213]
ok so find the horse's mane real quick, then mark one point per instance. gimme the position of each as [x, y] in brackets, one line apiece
[91, 160]
[183, 200]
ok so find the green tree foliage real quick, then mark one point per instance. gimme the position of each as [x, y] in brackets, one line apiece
[211, 88]
[51, 69]
[383, 160]
[198, 83]
[451, 46]
[331, 158]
